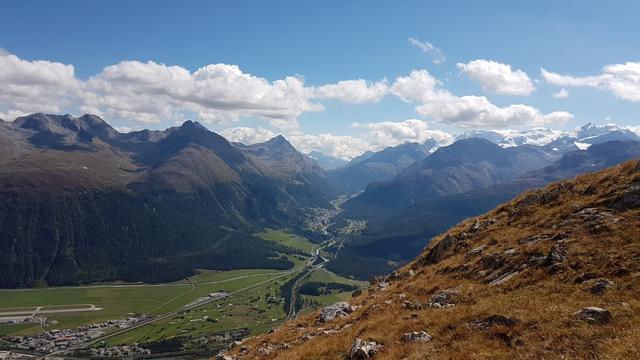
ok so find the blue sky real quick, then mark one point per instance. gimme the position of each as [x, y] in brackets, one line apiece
[330, 41]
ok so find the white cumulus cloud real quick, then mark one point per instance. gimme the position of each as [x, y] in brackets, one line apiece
[390, 133]
[34, 86]
[498, 78]
[153, 92]
[248, 135]
[353, 91]
[467, 111]
[623, 80]
[561, 94]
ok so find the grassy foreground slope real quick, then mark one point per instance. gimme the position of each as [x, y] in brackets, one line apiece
[508, 284]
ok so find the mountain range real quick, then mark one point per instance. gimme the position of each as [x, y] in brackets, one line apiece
[83, 202]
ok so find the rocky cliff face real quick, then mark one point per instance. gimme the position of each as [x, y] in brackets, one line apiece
[553, 274]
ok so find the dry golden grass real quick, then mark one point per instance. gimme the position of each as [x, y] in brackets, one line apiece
[542, 298]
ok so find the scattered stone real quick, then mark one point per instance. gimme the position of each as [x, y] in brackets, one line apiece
[475, 251]
[412, 305]
[361, 349]
[594, 315]
[481, 224]
[585, 277]
[383, 285]
[557, 254]
[503, 278]
[536, 260]
[595, 219]
[416, 336]
[630, 199]
[356, 293]
[493, 320]
[224, 357]
[492, 261]
[440, 249]
[444, 298]
[265, 349]
[599, 286]
[533, 239]
[331, 312]
[397, 275]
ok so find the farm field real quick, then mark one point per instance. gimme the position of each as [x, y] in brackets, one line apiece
[119, 301]
[259, 309]
[287, 238]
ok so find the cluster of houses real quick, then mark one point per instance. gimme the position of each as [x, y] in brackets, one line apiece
[120, 351]
[55, 340]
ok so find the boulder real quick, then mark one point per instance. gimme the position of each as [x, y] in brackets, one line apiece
[630, 199]
[436, 253]
[557, 254]
[416, 336]
[594, 315]
[335, 311]
[600, 285]
[475, 251]
[223, 357]
[361, 349]
[481, 224]
[444, 298]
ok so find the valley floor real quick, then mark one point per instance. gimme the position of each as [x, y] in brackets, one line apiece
[197, 315]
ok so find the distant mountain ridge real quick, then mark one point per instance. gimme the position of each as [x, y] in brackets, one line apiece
[465, 165]
[403, 235]
[560, 140]
[377, 166]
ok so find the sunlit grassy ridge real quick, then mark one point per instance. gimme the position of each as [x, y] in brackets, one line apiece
[550, 245]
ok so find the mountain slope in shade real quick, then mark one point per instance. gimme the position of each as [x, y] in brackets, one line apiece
[383, 165]
[463, 166]
[402, 236]
[552, 274]
[301, 175]
[82, 202]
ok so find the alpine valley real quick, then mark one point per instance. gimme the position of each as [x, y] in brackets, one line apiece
[152, 243]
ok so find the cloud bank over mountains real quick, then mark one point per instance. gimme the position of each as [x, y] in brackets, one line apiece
[150, 92]
[141, 93]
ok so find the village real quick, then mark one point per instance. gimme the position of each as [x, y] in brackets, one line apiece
[56, 340]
